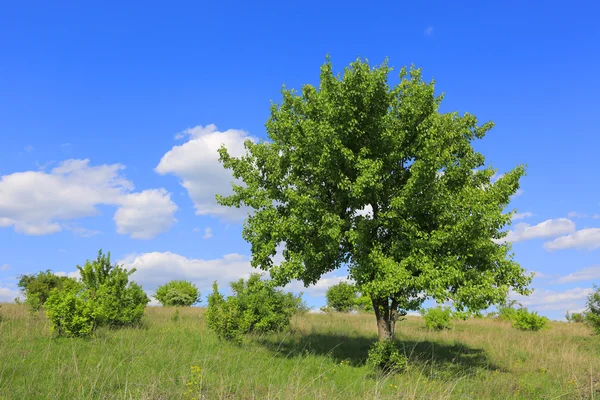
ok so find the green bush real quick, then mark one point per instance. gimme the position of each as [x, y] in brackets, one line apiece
[592, 316]
[385, 356]
[526, 320]
[437, 318]
[71, 312]
[363, 303]
[36, 288]
[341, 297]
[177, 294]
[577, 318]
[103, 297]
[255, 306]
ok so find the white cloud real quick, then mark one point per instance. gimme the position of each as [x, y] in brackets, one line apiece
[79, 231]
[41, 203]
[146, 214]
[596, 216]
[8, 295]
[156, 268]
[73, 274]
[518, 193]
[546, 229]
[588, 239]
[544, 299]
[4, 267]
[429, 31]
[524, 215]
[584, 274]
[207, 233]
[366, 211]
[196, 163]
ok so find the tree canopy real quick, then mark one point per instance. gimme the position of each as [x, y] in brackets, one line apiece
[372, 176]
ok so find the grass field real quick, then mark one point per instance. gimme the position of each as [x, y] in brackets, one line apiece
[321, 358]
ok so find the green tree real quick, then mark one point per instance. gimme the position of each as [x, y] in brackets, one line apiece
[372, 177]
[36, 288]
[341, 297]
[177, 294]
[592, 314]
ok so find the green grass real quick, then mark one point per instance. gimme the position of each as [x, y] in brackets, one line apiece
[321, 358]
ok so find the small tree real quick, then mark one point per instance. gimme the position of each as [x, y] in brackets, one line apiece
[361, 174]
[341, 297]
[255, 306]
[36, 288]
[178, 294]
[363, 303]
[592, 315]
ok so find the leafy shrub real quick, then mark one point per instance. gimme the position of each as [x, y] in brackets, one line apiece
[255, 306]
[578, 318]
[120, 302]
[103, 297]
[363, 303]
[385, 356]
[177, 294]
[36, 288]
[437, 318]
[526, 320]
[592, 316]
[341, 297]
[71, 312]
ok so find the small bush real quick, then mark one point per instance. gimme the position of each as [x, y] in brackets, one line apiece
[577, 318]
[103, 297]
[385, 356]
[437, 318]
[177, 294]
[507, 313]
[526, 320]
[363, 304]
[71, 312]
[341, 297]
[255, 306]
[592, 316]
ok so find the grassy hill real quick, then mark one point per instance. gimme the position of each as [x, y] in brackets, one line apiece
[321, 358]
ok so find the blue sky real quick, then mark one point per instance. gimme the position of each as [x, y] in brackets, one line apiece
[115, 84]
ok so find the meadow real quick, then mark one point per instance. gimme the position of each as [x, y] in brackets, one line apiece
[174, 356]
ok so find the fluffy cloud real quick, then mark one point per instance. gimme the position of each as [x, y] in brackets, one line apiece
[8, 295]
[587, 239]
[207, 233]
[544, 299]
[524, 215]
[41, 203]
[146, 214]
[196, 164]
[156, 268]
[586, 274]
[546, 229]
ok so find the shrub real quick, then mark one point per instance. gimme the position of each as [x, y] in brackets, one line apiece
[592, 316]
[578, 318]
[103, 297]
[71, 312]
[437, 318]
[363, 303]
[255, 306]
[385, 356]
[177, 294]
[36, 288]
[507, 310]
[120, 302]
[526, 320]
[341, 297]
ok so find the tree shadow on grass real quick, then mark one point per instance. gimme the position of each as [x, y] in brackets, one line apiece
[435, 359]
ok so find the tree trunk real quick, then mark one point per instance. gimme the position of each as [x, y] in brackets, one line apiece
[386, 318]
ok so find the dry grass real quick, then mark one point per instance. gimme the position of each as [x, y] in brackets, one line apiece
[321, 358]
